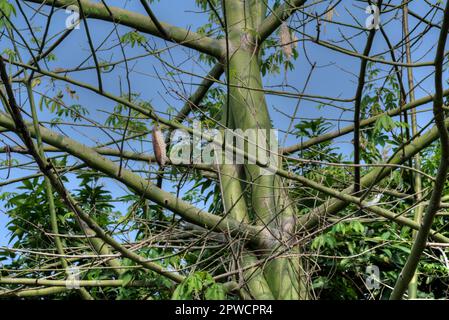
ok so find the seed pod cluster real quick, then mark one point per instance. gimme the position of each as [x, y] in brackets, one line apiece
[159, 146]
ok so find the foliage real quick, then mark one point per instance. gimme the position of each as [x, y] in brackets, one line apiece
[199, 285]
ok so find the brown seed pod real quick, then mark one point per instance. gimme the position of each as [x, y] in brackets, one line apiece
[159, 146]
[285, 40]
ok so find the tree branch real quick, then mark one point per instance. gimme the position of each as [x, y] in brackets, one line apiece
[144, 187]
[275, 19]
[141, 23]
[333, 206]
[366, 122]
[434, 204]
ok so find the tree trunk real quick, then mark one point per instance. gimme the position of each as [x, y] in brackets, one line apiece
[267, 204]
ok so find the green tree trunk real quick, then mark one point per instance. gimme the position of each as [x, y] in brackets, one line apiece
[247, 109]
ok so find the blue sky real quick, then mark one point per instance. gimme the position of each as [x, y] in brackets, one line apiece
[335, 74]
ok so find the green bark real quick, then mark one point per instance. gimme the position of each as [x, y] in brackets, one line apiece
[140, 22]
[248, 110]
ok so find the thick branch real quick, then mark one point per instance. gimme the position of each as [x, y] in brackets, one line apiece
[142, 186]
[275, 19]
[357, 106]
[46, 168]
[141, 23]
[333, 206]
[366, 122]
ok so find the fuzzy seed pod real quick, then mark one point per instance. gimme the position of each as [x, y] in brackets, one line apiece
[285, 40]
[159, 147]
[330, 14]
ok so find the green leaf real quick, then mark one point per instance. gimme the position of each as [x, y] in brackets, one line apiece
[127, 277]
[215, 292]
